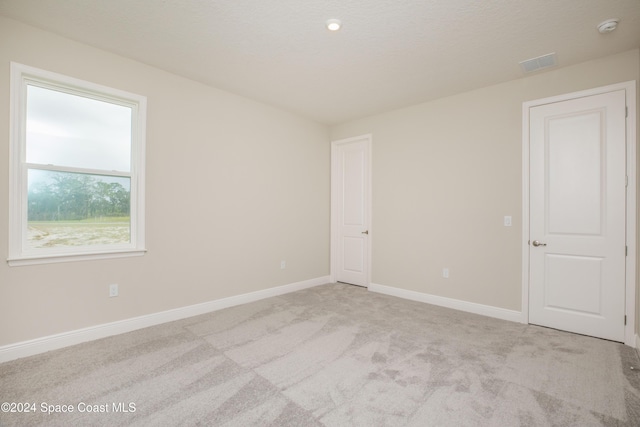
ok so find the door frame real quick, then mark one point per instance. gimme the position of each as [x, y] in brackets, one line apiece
[335, 241]
[631, 209]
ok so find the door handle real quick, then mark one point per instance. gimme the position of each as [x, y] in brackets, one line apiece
[365, 232]
[537, 243]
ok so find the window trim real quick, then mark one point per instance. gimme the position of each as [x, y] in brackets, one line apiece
[21, 76]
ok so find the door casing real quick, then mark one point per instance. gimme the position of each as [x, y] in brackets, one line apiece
[335, 241]
[631, 210]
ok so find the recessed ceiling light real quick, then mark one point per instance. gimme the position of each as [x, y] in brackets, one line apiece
[333, 24]
[608, 26]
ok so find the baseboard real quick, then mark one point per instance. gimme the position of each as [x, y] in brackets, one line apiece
[638, 344]
[470, 307]
[65, 339]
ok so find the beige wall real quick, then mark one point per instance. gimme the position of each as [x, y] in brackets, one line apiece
[446, 172]
[233, 187]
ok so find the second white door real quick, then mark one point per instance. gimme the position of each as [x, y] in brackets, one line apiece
[577, 215]
[351, 210]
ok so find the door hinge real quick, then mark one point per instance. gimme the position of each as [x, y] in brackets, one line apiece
[626, 111]
[626, 251]
[625, 320]
[626, 180]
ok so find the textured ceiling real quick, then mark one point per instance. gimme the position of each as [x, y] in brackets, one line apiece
[389, 53]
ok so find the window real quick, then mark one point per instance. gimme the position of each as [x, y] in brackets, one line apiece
[76, 169]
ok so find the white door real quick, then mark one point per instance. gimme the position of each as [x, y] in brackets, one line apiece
[351, 210]
[577, 215]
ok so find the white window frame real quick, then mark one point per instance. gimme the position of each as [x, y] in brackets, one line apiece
[19, 252]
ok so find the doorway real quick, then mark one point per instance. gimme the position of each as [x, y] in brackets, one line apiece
[579, 212]
[351, 231]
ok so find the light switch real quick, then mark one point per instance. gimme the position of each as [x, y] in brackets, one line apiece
[507, 221]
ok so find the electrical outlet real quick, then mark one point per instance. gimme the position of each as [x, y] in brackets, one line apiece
[113, 290]
[507, 221]
[445, 273]
[283, 265]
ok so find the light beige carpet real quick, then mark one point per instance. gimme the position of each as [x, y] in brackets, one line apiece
[333, 355]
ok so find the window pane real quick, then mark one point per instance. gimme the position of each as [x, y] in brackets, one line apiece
[72, 209]
[70, 130]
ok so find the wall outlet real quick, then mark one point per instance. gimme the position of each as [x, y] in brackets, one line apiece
[283, 265]
[113, 290]
[507, 221]
[445, 273]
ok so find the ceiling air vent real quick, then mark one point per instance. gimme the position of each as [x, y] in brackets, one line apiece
[535, 64]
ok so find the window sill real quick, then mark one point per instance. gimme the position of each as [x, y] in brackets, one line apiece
[49, 259]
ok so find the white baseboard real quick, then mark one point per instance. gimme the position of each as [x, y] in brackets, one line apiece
[637, 344]
[470, 307]
[65, 339]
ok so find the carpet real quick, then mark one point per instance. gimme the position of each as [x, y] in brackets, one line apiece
[332, 355]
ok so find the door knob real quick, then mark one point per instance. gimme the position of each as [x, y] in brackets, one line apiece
[365, 232]
[537, 243]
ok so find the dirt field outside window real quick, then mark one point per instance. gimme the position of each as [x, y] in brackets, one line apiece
[48, 234]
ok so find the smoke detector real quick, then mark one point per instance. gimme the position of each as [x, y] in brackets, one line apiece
[608, 26]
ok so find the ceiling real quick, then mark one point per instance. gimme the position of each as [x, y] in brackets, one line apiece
[388, 54]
